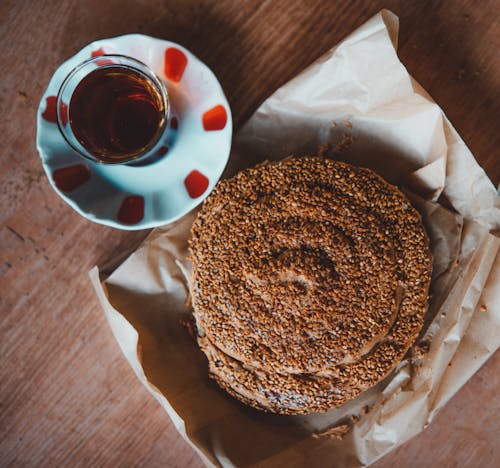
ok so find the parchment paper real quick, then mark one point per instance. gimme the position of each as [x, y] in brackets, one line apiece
[359, 99]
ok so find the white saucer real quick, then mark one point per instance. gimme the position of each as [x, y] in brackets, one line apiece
[196, 146]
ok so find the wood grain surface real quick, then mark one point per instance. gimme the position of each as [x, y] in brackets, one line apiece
[68, 397]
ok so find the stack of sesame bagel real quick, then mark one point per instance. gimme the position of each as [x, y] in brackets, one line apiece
[310, 283]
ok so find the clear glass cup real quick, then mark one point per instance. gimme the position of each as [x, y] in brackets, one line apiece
[113, 109]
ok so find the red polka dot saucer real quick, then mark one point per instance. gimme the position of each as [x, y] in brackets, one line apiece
[188, 164]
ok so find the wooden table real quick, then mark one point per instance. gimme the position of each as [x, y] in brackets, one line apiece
[68, 397]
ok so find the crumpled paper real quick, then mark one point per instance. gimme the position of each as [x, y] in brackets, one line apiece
[360, 101]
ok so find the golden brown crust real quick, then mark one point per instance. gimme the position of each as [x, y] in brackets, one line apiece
[310, 282]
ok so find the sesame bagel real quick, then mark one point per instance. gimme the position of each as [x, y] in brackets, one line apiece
[310, 282]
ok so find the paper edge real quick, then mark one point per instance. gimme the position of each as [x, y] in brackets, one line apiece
[131, 355]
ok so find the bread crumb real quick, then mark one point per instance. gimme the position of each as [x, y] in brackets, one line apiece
[323, 149]
[187, 321]
[348, 124]
[483, 308]
[340, 430]
[344, 144]
[337, 432]
[365, 410]
[418, 353]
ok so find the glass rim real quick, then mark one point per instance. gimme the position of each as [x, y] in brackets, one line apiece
[154, 78]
